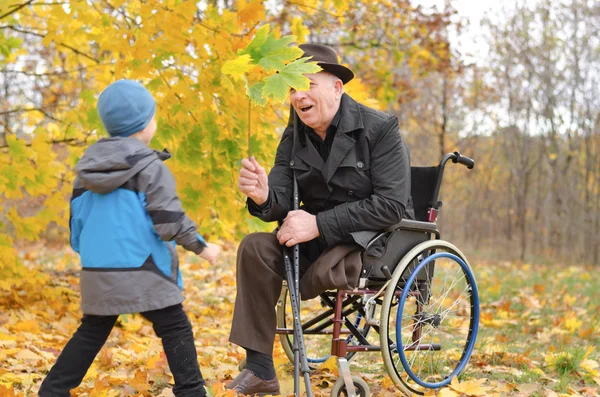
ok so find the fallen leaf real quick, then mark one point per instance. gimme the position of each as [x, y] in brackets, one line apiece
[528, 389]
[470, 388]
[27, 355]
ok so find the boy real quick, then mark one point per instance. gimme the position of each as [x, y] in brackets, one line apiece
[125, 221]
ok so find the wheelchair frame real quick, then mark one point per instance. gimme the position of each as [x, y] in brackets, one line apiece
[347, 302]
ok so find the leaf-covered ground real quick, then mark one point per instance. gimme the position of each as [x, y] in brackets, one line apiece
[538, 336]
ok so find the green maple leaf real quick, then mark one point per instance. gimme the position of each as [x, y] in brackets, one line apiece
[270, 52]
[255, 93]
[292, 75]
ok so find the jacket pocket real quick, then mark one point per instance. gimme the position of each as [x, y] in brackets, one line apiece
[174, 260]
[354, 177]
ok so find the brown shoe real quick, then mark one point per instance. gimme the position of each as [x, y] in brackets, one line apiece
[248, 383]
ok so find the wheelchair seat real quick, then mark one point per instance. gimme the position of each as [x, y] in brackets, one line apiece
[384, 251]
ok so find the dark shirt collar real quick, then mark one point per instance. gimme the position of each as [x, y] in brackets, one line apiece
[336, 119]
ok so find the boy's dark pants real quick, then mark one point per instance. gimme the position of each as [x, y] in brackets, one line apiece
[170, 324]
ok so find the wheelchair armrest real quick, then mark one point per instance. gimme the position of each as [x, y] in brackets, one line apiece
[414, 226]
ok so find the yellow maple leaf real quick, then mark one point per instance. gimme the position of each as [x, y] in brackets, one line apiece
[7, 391]
[92, 372]
[7, 337]
[572, 323]
[470, 388]
[387, 383]
[237, 67]
[27, 326]
[590, 367]
[446, 392]
[9, 379]
[330, 364]
[250, 12]
[27, 355]
[140, 382]
[154, 360]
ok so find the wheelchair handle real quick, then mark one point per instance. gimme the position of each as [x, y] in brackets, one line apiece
[464, 160]
[456, 157]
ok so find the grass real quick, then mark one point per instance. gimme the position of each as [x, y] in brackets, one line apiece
[538, 330]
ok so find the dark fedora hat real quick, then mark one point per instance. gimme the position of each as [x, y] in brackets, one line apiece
[327, 59]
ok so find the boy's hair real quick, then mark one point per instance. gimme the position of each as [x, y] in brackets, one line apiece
[126, 107]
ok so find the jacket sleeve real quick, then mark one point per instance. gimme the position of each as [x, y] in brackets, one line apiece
[281, 182]
[74, 221]
[390, 174]
[164, 207]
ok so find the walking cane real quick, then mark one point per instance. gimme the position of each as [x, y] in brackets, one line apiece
[293, 281]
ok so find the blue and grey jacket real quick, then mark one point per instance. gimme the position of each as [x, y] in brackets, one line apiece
[125, 221]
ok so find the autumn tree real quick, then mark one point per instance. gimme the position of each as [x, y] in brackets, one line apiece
[211, 83]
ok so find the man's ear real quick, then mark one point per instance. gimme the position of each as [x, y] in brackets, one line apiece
[339, 88]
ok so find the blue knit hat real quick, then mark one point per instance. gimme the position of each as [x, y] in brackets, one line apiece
[125, 107]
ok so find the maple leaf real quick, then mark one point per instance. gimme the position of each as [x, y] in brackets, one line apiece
[140, 382]
[255, 93]
[237, 67]
[6, 391]
[470, 388]
[271, 52]
[277, 86]
[330, 365]
[446, 392]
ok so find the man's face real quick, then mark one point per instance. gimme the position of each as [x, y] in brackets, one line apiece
[317, 106]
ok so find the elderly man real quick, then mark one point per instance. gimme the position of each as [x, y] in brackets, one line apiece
[353, 173]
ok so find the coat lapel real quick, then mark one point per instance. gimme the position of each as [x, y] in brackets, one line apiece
[342, 143]
[309, 155]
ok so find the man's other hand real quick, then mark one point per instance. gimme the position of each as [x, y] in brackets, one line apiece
[298, 227]
[253, 181]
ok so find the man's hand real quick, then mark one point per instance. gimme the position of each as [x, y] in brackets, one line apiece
[298, 227]
[210, 253]
[253, 181]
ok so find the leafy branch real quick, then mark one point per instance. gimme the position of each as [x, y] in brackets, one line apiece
[15, 9]
[75, 50]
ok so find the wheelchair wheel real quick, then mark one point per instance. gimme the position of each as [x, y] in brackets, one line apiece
[361, 388]
[429, 317]
[318, 346]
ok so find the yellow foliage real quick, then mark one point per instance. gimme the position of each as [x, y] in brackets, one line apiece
[202, 114]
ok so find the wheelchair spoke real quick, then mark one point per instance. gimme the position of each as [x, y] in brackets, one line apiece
[441, 299]
[445, 312]
[436, 317]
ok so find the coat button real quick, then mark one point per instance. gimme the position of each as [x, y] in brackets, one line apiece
[360, 165]
[292, 163]
[350, 193]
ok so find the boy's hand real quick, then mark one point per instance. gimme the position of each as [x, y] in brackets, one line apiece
[253, 181]
[211, 253]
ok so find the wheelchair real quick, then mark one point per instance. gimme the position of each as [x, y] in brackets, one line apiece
[416, 291]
